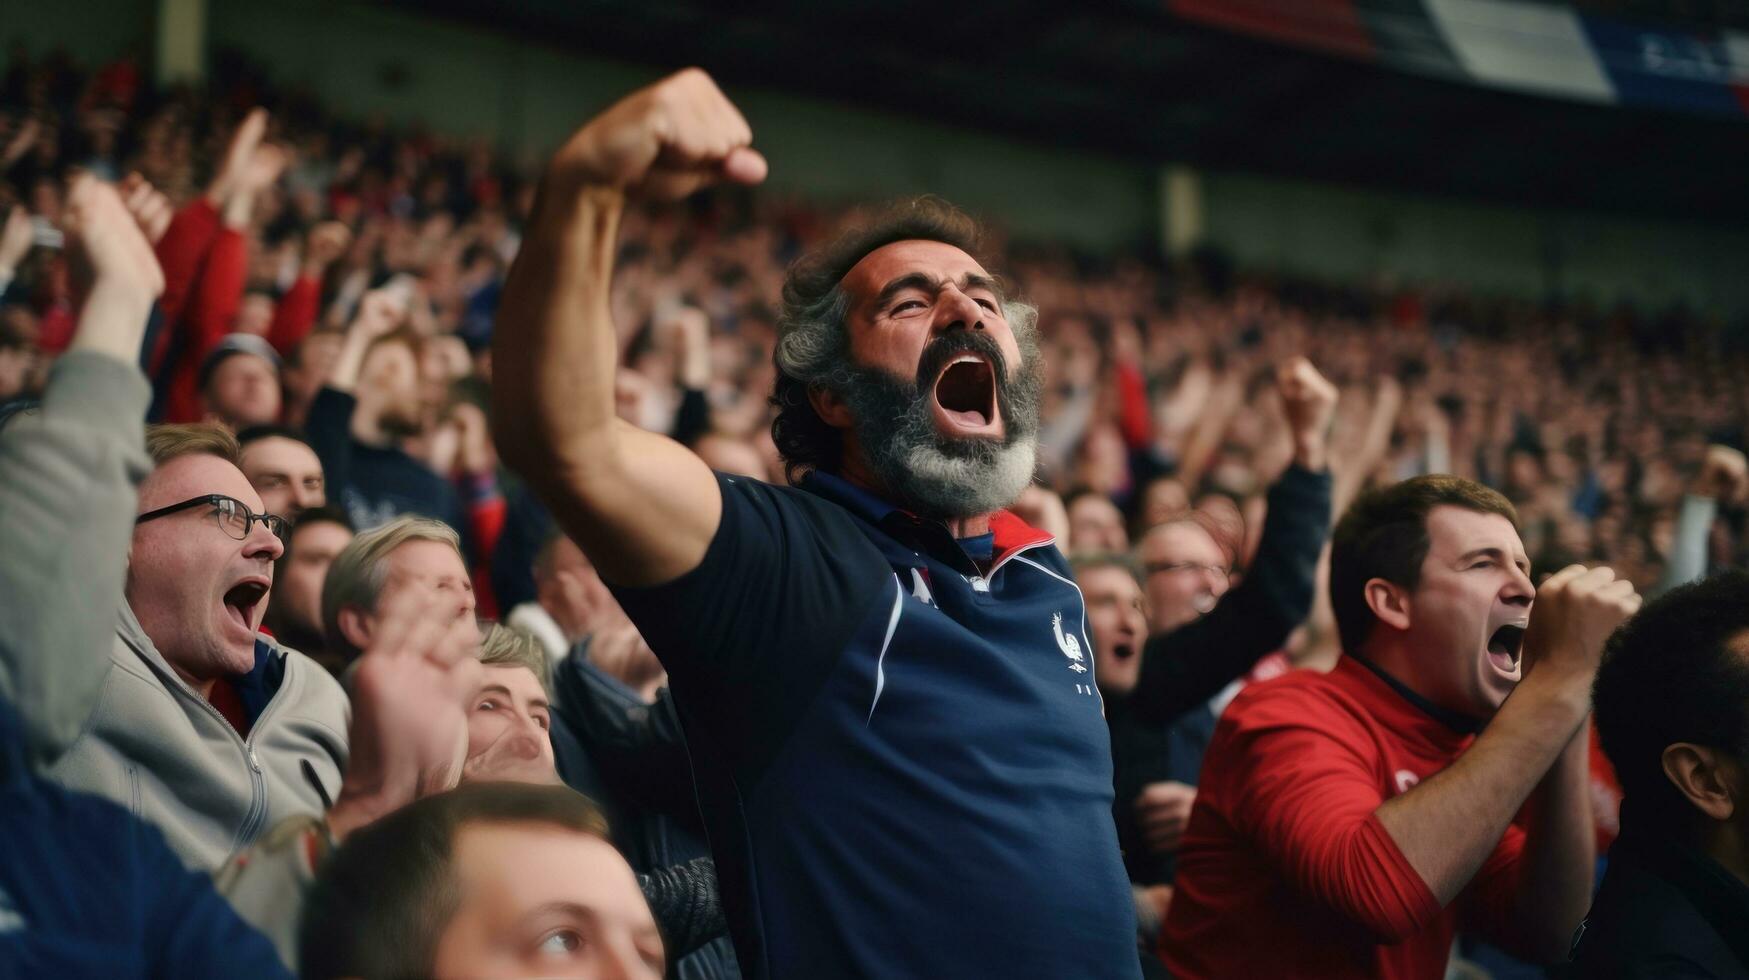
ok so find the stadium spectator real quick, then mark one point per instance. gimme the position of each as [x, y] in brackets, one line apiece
[569, 599]
[184, 747]
[491, 879]
[1095, 523]
[795, 597]
[510, 715]
[1352, 816]
[239, 382]
[408, 555]
[512, 727]
[283, 469]
[1186, 572]
[294, 607]
[86, 887]
[1672, 703]
[371, 403]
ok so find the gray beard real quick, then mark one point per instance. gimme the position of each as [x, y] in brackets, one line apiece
[931, 475]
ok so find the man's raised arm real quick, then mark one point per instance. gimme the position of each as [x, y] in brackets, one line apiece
[642, 507]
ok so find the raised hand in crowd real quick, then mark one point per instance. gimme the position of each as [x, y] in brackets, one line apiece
[328, 241]
[1576, 610]
[114, 270]
[380, 313]
[1723, 476]
[239, 153]
[409, 731]
[555, 349]
[1309, 402]
[16, 238]
[150, 208]
[663, 142]
[1162, 812]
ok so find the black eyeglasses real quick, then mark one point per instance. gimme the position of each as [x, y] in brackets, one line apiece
[233, 515]
[1182, 566]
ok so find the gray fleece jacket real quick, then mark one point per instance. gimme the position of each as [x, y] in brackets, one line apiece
[102, 710]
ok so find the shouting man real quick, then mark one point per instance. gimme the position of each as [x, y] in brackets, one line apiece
[885, 676]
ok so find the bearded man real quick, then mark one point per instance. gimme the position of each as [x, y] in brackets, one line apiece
[885, 677]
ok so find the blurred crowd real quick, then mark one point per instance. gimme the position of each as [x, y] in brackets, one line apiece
[1592, 421]
[329, 295]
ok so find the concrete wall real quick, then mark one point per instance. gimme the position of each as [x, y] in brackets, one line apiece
[365, 60]
[527, 97]
[1357, 233]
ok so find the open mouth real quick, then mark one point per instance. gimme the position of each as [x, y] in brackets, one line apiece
[965, 393]
[1124, 651]
[244, 600]
[1506, 646]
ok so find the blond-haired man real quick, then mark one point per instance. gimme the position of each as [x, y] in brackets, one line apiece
[408, 554]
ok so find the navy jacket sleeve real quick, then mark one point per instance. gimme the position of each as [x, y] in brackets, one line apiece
[329, 429]
[1189, 665]
[638, 749]
[751, 634]
[197, 932]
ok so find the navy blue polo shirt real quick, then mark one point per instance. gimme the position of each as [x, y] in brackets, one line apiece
[900, 752]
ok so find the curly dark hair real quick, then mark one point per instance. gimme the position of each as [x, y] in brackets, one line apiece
[813, 342]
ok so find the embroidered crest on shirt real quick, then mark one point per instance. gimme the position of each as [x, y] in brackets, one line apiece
[1070, 646]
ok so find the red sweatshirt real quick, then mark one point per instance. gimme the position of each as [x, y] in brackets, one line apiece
[1284, 871]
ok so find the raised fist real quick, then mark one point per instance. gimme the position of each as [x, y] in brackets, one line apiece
[380, 312]
[327, 242]
[1309, 401]
[665, 141]
[1724, 475]
[111, 258]
[1576, 609]
[1162, 813]
[152, 211]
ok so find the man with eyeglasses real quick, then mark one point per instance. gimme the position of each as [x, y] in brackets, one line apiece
[205, 727]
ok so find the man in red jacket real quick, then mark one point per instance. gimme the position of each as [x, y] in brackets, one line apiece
[1348, 823]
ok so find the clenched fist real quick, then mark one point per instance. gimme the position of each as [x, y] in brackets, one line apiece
[665, 141]
[1724, 475]
[1162, 813]
[1309, 401]
[1576, 609]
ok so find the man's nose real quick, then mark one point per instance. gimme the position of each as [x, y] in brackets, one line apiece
[262, 543]
[526, 743]
[954, 310]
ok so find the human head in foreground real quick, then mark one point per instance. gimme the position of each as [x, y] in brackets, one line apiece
[200, 564]
[486, 880]
[1672, 708]
[1429, 582]
[903, 366]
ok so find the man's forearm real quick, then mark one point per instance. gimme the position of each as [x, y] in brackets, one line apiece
[1449, 824]
[1559, 850]
[68, 479]
[554, 349]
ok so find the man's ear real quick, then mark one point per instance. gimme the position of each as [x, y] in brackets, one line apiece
[356, 626]
[829, 407]
[1388, 601]
[1710, 779]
